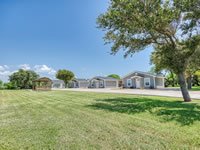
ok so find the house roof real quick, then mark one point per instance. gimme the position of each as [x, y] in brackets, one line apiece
[80, 80]
[58, 82]
[146, 73]
[105, 78]
[43, 79]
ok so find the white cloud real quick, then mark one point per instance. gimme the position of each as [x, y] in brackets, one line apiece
[25, 66]
[44, 69]
[3, 68]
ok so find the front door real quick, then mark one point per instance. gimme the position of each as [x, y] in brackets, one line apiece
[137, 83]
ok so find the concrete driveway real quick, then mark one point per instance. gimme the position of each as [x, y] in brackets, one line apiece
[169, 92]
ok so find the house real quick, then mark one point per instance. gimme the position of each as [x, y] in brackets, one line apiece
[58, 84]
[139, 80]
[103, 82]
[79, 83]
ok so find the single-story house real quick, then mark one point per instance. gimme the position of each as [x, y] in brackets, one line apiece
[79, 83]
[103, 82]
[139, 80]
[58, 84]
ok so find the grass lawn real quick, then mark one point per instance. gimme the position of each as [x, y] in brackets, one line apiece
[80, 120]
[195, 88]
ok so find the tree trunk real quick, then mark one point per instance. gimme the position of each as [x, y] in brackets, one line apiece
[189, 82]
[184, 90]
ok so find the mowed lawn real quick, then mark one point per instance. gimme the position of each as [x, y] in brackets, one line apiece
[81, 120]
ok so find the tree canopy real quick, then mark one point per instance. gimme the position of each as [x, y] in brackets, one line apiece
[23, 79]
[114, 76]
[170, 26]
[65, 75]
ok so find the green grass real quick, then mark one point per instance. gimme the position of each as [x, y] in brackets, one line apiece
[195, 88]
[80, 120]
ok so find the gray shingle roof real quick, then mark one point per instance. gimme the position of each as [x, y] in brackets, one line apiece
[105, 78]
[80, 80]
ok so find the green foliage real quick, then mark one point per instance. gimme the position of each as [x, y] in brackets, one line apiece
[9, 86]
[171, 80]
[65, 75]
[133, 25]
[114, 76]
[155, 70]
[1, 83]
[23, 79]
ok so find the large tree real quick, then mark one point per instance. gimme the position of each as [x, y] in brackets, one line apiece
[133, 25]
[65, 75]
[23, 79]
[114, 76]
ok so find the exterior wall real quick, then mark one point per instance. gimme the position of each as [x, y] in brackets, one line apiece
[58, 85]
[73, 84]
[94, 84]
[83, 84]
[103, 84]
[111, 84]
[151, 81]
[160, 82]
[141, 80]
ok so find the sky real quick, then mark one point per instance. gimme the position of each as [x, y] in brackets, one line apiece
[48, 35]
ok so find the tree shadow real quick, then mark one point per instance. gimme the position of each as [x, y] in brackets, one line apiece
[185, 114]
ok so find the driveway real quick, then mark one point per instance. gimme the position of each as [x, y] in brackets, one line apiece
[169, 92]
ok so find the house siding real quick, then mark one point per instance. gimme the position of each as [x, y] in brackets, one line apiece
[83, 84]
[111, 84]
[154, 81]
[159, 83]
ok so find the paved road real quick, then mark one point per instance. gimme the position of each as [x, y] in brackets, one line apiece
[169, 92]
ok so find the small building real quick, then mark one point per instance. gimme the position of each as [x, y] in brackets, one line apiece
[79, 83]
[42, 84]
[58, 84]
[139, 80]
[103, 82]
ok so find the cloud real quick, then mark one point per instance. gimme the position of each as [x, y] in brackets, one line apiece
[44, 69]
[3, 68]
[25, 66]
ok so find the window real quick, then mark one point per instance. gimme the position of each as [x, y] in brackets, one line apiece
[129, 83]
[147, 82]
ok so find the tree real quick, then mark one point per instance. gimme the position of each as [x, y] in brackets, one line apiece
[154, 70]
[1, 83]
[114, 76]
[192, 68]
[65, 75]
[171, 79]
[23, 79]
[134, 25]
[8, 85]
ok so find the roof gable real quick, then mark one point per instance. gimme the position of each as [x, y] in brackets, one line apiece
[145, 73]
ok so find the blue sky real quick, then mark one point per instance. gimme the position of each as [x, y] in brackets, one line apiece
[47, 35]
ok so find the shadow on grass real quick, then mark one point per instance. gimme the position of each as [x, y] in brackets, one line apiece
[185, 114]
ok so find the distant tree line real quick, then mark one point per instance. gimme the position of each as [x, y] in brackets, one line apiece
[23, 79]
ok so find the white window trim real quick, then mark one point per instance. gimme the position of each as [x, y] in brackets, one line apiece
[149, 82]
[128, 82]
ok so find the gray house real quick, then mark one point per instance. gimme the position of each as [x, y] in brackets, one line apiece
[58, 84]
[79, 83]
[103, 82]
[139, 80]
